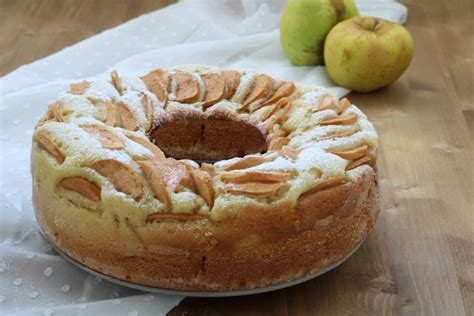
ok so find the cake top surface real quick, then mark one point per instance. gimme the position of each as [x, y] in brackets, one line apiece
[128, 142]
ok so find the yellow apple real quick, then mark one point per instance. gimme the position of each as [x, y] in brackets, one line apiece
[305, 24]
[366, 53]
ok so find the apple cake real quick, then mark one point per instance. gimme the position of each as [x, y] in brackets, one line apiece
[202, 179]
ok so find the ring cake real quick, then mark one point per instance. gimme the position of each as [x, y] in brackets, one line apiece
[202, 179]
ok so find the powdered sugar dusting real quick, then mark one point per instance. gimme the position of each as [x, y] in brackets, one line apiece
[102, 90]
[133, 100]
[245, 84]
[132, 83]
[312, 140]
[319, 132]
[330, 165]
[279, 164]
[202, 86]
[314, 98]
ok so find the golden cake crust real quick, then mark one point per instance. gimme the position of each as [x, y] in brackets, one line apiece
[261, 247]
[116, 187]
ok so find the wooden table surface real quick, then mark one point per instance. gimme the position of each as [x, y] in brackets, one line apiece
[420, 257]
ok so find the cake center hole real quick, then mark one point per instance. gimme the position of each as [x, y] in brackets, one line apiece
[208, 139]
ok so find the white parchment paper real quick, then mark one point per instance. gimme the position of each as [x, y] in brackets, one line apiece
[239, 34]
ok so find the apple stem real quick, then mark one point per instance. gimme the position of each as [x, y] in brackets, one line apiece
[376, 23]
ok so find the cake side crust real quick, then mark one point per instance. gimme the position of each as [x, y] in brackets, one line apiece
[206, 256]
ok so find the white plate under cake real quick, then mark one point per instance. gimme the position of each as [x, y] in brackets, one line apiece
[203, 179]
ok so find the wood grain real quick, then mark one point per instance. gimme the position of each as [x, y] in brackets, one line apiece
[33, 29]
[420, 257]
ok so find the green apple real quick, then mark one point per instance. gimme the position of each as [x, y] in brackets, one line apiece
[366, 53]
[305, 24]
